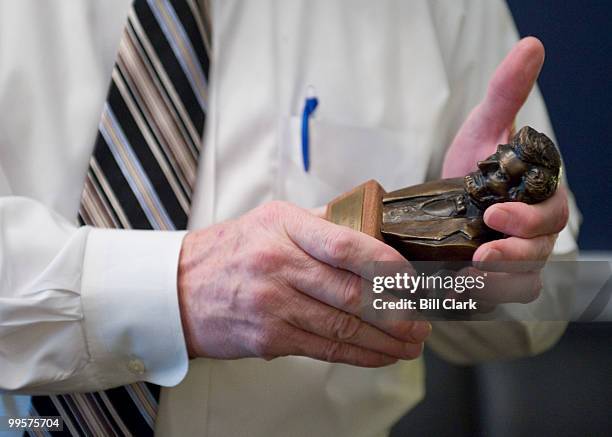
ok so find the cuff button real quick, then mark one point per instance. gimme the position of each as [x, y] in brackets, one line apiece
[136, 366]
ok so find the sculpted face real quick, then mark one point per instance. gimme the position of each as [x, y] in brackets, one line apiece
[525, 170]
[497, 176]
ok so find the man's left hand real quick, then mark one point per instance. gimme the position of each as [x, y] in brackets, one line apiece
[531, 229]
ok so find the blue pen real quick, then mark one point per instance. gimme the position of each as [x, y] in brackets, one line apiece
[310, 104]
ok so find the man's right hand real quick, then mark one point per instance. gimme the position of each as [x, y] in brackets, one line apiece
[281, 281]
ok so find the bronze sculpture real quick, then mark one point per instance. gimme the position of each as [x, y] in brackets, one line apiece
[443, 220]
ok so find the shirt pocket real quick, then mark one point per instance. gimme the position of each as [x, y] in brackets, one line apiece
[343, 156]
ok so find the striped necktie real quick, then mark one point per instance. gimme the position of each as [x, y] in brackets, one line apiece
[142, 172]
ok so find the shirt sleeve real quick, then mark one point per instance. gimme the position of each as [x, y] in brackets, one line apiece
[85, 309]
[482, 34]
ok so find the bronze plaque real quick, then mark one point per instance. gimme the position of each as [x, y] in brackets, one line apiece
[348, 211]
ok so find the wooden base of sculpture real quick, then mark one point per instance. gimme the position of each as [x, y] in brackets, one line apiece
[359, 209]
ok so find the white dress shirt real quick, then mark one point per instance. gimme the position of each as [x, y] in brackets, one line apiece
[83, 309]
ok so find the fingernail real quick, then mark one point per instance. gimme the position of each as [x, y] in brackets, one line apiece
[421, 331]
[534, 63]
[539, 283]
[497, 218]
[387, 360]
[413, 351]
[488, 254]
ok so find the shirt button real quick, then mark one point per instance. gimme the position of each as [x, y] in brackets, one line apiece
[136, 366]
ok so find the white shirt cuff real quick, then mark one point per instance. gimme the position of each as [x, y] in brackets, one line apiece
[130, 306]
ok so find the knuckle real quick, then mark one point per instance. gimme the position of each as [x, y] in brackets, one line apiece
[266, 260]
[277, 206]
[334, 352]
[345, 327]
[264, 344]
[263, 300]
[351, 293]
[272, 212]
[340, 246]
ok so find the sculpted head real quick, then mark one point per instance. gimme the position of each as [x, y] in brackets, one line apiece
[526, 170]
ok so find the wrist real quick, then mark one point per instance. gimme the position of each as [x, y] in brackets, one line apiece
[184, 285]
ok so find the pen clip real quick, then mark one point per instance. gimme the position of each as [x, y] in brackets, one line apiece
[310, 104]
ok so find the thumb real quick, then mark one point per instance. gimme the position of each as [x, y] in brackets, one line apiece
[510, 86]
[490, 122]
